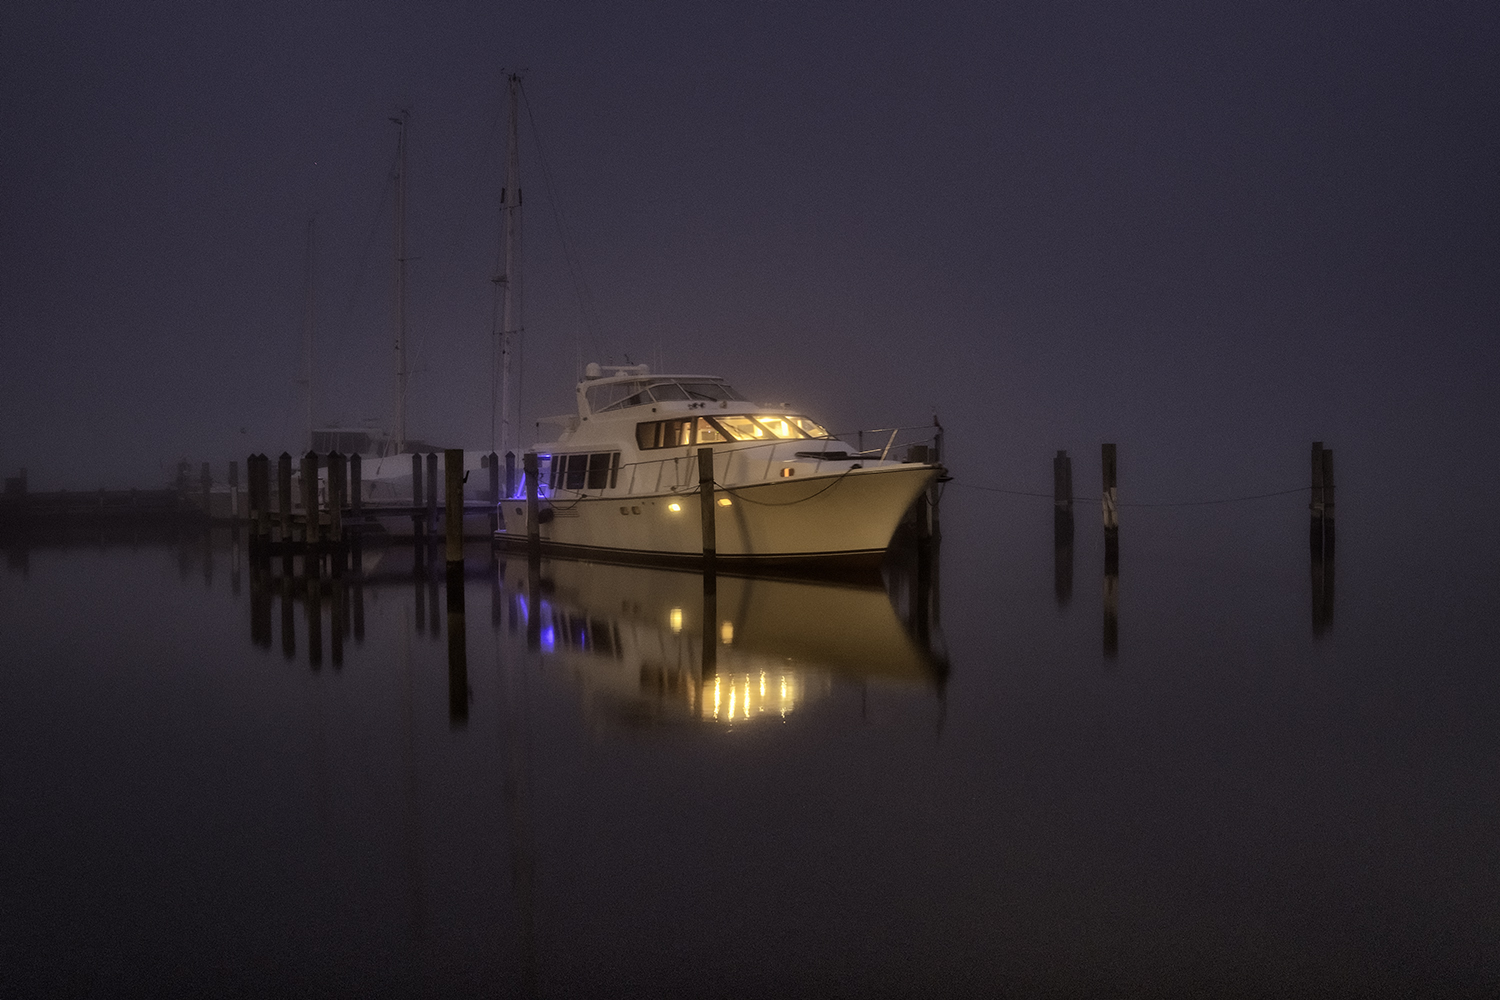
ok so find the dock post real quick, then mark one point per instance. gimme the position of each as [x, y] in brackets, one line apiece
[934, 492]
[1062, 527]
[1315, 505]
[335, 500]
[256, 483]
[510, 474]
[1111, 554]
[533, 527]
[355, 504]
[1328, 501]
[284, 496]
[234, 490]
[1110, 508]
[706, 505]
[206, 480]
[1321, 539]
[432, 493]
[494, 494]
[310, 498]
[416, 494]
[453, 502]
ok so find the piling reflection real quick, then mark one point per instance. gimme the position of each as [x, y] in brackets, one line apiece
[660, 647]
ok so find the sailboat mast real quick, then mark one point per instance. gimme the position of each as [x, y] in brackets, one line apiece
[400, 429]
[510, 280]
[308, 318]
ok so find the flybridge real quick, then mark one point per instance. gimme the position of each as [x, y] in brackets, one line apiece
[620, 393]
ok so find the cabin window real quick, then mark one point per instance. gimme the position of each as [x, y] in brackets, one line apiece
[743, 428]
[808, 427]
[709, 433]
[602, 469]
[579, 472]
[709, 390]
[782, 427]
[664, 434]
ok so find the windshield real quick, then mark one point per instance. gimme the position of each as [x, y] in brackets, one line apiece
[638, 392]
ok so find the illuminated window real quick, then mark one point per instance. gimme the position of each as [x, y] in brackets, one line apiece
[808, 427]
[745, 428]
[709, 433]
[780, 426]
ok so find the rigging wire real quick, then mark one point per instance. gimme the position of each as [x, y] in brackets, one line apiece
[580, 289]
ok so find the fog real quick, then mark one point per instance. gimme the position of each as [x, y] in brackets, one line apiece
[1212, 237]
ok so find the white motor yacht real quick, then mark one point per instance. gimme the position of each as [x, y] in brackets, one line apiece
[621, 481]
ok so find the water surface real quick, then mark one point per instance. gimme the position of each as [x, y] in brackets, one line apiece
[1256, 777]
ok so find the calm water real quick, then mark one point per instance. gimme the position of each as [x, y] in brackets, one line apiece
[953, 788]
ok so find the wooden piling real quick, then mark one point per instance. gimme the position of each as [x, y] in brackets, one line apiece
[1315, 505]
[1328, 502]
[1062, 481]
[1062, 528]
[310, 498]
[453, 502]
[706, 505]
[335, 499]
[510, 474]
[1111, 637]
[533, 526]
[432, 492]
[257, 473]
[284, 496]
[234, 490]
[416, 494]
[355, 503]
[1110, 509]
[494, 493]
[206, 480]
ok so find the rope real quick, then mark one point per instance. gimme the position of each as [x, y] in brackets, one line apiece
[789, 503]
[1123, 503]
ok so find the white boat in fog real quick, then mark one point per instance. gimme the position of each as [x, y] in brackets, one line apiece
[622, 480]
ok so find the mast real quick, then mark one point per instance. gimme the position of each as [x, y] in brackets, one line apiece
[509, 280]
[400, 428]
[308, 316]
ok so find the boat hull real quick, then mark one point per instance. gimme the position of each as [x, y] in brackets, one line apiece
[846, 517]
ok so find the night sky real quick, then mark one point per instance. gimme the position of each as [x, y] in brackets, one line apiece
[1210, 234]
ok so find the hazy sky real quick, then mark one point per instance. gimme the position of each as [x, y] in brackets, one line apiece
[1211, 233]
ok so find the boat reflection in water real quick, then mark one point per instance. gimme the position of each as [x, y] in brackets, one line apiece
[655, 646]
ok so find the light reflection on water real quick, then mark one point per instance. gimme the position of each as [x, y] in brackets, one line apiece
[227, 778]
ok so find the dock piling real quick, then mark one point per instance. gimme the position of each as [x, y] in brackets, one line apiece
[453, 502]
[284, 495]
[706, 505]
[354, 500]
[533, 526]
